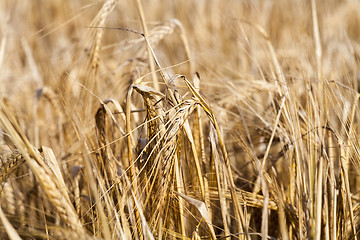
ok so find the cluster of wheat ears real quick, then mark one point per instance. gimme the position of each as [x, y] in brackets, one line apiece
[179, 119]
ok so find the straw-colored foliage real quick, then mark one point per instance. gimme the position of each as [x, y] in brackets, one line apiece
[179, 119]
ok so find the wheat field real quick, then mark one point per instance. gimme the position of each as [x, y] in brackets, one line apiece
[159, 119]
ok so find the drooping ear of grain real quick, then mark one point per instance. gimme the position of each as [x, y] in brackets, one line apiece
[53, 189]
[9, 165]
